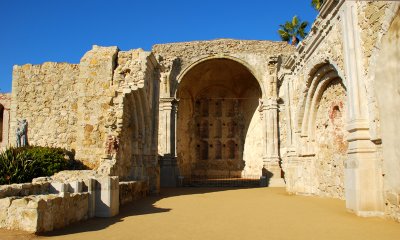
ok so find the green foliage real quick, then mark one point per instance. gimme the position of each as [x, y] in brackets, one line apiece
[19, 165]
[317, 4]
[293, 30]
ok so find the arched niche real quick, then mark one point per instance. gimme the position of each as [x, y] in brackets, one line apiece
[223, 93]
[323, 133]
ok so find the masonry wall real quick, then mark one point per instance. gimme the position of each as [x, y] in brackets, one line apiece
[87, 108]
[95, 91]
[387, 87]
[46, 96]
[316, 116]
[318, 165]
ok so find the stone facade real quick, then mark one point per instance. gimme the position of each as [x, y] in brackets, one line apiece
[319, 118]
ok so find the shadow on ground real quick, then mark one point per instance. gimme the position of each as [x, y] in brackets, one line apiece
[140, 207]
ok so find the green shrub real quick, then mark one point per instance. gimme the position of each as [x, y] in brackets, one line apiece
[19, 165]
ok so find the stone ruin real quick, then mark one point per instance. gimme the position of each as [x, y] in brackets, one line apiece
[318, 119]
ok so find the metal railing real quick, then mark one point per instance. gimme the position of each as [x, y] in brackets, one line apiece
[222, 181]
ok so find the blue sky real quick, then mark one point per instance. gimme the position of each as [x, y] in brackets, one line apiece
[37, 31]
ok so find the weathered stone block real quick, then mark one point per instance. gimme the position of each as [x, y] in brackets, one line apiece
[107, 197]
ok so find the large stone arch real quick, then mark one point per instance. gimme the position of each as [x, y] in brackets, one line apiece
[218, 83]
[387, 90]
[258, 75]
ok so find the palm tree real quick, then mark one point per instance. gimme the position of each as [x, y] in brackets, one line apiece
[317, 4]
[293, 30]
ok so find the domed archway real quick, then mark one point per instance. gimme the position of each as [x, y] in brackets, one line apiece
[217, 120]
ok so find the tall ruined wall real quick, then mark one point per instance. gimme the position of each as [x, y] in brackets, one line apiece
[118, 108]
[95, 97]
[308, 130]
[316, 155]
[46, 96]
[87, 108]
[136, 110]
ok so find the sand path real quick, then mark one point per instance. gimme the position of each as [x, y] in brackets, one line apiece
[258, 213]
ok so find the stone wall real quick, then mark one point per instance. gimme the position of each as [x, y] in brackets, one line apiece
[24, 189]
[5, 104]
[314, 95]
[54, 202]
[132, 191]
[331, 144]
[386, 87]
[353, 38]
[45, 95]
[96, 91]
[87, 108]
[41, 213]
[135, 113]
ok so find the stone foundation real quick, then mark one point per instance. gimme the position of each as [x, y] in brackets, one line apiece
[132, 191]
[41, 213]
[55, 202]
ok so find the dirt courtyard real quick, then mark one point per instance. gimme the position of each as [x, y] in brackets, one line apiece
[215, 213]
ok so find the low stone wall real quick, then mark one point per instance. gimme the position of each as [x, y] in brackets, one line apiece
[50, 203]
[40, 213]
[131, 191]
[24, 189]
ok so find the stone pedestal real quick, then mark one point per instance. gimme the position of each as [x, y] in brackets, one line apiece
[107, 197]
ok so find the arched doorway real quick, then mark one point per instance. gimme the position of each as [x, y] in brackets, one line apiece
[218, 99]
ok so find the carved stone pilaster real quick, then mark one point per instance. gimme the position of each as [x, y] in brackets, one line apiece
[167, 141]
[269, 109]
[363, 179]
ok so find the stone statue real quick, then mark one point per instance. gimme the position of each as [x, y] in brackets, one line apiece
[21, 133]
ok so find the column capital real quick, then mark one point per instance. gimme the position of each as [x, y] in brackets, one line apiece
[168, 103]
[168, 100]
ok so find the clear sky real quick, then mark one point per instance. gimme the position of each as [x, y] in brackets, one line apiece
[37, 31]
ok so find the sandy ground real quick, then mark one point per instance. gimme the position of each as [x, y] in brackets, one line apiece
[198, 213]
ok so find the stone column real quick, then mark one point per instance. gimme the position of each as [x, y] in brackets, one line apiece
[363, 179]
[271, 161]
[167, 141]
